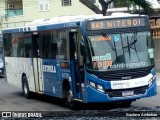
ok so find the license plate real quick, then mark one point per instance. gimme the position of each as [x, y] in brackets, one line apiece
[127, 93]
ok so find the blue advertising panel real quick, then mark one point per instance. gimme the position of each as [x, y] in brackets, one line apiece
[49, 76]
[53, 76]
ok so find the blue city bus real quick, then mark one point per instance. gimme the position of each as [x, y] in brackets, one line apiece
[90, 59]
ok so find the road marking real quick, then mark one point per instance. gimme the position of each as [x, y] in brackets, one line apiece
[158, 78]
[158, 82]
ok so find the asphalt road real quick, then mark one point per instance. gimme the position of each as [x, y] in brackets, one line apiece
[150, 102]
[12, 99]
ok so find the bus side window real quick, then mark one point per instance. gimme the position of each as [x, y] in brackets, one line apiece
[35, 46]
[62, 46]
[7, 44]
[28, 51]
[45, 46]
[53, 50]
[22, 52]
[27, 44]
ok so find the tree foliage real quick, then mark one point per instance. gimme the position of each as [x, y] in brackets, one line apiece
[94, 8]
[147, 7]
[104, 3]
[120, 3]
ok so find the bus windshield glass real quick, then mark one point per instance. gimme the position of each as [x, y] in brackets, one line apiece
[109, 52]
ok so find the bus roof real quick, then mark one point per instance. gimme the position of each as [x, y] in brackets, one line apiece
[63, 22]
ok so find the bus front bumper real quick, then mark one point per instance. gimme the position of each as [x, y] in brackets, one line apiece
[94, 95]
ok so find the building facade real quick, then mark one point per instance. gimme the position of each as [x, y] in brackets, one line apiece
[155, 25]
[15, 13]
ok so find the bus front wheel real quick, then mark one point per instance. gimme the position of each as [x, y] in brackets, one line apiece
[25, 87]
[69, 100]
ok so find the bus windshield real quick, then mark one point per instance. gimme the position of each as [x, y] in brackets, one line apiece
[109, 52]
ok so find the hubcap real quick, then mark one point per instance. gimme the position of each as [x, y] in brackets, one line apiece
[70, 96]
[25, 89]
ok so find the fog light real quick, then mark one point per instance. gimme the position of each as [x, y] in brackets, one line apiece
[150, 82]
[92, 84]
[154, 78]
[100, 88]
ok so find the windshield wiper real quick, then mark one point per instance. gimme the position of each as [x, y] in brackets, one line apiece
[147, 41]
[131, 45]
[128, 48]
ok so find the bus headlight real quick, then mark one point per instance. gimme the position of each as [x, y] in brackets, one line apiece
[96, 86]
[154, 78]
[151, 80]
[100, 88]
[92, 84]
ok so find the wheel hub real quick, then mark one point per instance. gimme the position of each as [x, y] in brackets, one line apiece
[25, 89]
[70, 95]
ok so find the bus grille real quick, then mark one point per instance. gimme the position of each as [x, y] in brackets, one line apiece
[131, 74]
[118, 93]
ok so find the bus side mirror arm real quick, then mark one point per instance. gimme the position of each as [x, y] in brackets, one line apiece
[82, 49]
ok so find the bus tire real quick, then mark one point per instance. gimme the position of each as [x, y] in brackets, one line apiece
[69, 100]
[25, 87]
[68, 96]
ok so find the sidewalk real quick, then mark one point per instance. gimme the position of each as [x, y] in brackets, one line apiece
[158, 78]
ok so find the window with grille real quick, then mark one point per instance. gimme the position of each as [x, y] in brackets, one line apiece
[43, 6]
[10, 6]
[66, 2]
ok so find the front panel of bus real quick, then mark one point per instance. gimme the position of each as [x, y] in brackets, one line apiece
[119, 60]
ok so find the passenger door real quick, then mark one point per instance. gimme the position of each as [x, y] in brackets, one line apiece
[76, 60]
[37, 63]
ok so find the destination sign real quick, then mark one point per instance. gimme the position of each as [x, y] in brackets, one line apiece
[115, 23]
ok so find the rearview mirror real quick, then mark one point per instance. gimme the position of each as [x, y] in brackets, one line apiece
[82, 49]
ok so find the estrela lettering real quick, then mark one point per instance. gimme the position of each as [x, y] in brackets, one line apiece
[49, 68]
